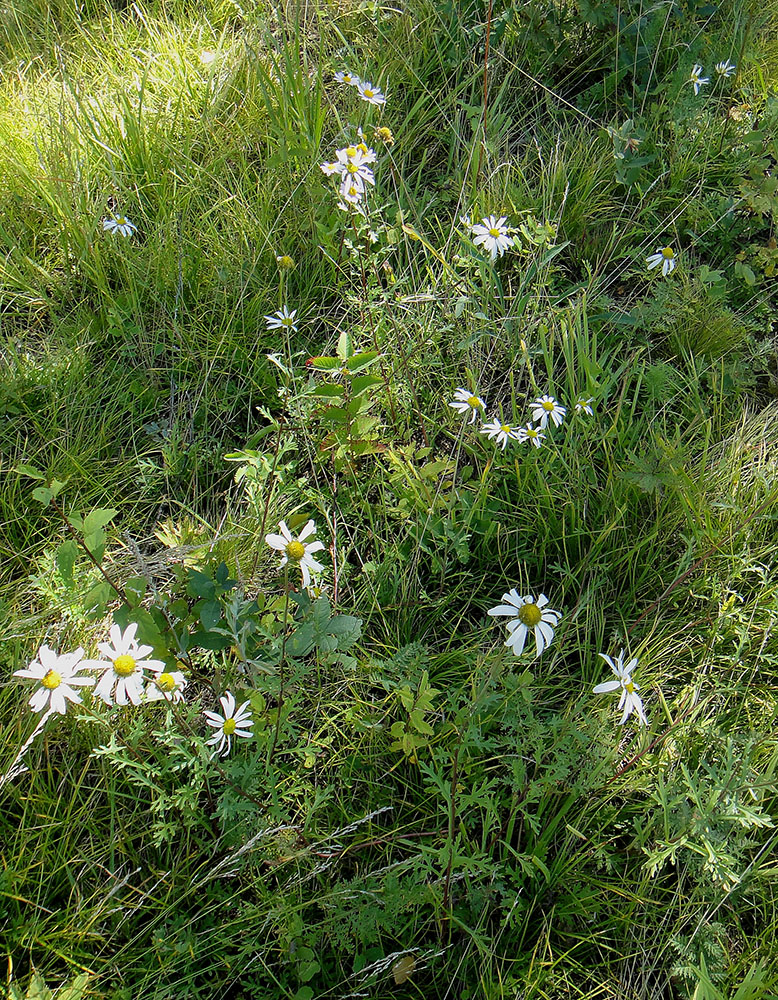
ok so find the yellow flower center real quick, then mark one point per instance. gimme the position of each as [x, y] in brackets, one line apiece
[474, 402]
[385, 135]
[353, 192]
[124, 665]
[122, 220]
[229, 727]
[286, 262]
[362, 148]
[369, 93]
[295, 550]
[352, 168]
[166, 682]
[495, 233]
[51, 679]
[531, 432]
[548, 406]
[529, 615]
[667, 253]
[630, 687]
[505, 428]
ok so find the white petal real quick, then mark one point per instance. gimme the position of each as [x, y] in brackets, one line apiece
[517, 640]
[276, 542]
[606, 687]
[39, 699]
[103, 687]
[309, 528]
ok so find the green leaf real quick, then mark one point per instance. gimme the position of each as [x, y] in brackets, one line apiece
[323, 364]
[135, 589]
[43, 495]
[97, 598]
[31, 471]
[328, 391]
[362, 383]
[75, 989]
[210, 640]
[97, 519]
[345, 347]
[360, 361]
[210, 613]
[95, 542]
[66, 557]
[200, 585]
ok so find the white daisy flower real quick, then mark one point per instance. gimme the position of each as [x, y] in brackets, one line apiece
[725, 69]
[330, 169]
[543, 408]
[123, 678]
[528, 614]
[497, 431]
[629, 701]
[119, 224]
[370, 93]
[232, 723]
[351, 190]
[696, 80]
[664, 256]
[466, 402]
[167, 685]
[532, 434]
[584, 405]
[343, 76]
[492, 234]
[282, 320]
[57, 675]
[297, 551]
[353, 166]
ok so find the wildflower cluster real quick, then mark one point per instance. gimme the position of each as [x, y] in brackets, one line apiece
[352, 168]
[542, 410]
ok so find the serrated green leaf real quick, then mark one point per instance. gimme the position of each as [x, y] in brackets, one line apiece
[43, 495]
[29, 470]
[328, 391]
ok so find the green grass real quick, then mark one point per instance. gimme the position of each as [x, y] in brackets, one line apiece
[420, 813]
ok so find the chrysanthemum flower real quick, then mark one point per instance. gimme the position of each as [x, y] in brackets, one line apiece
[123, 678]
[351, 192]
[282, 320]
[528, 615]
[232, 723]
[725, 69]
[57, 675]
[502, 433]
[532, 434]
[343, 76]
[696, 80]
[119, 224]
[466, 402]
[167, 685]
[296, 550]
[584, 405]
[543, 408]
[370, 93]
[664, 256]
[354, 165]
[629, 701]
[492, 234]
